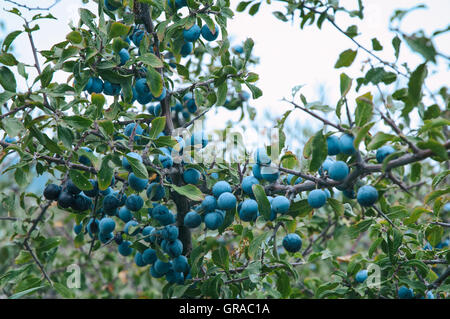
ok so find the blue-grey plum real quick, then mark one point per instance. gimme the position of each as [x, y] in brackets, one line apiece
[52, 191]
[338, 171]
[226, 201]
[149, 256]
[317, 198]
[292, 243]
[208, 34]
[247, 183]
[136, 183]
[209, 203]
[248, 210]
[367, 195]
[384, 152]
[192, 34]
[180, 264]
[221, 187]
[333, 145]
[192, 219]
[280, 204]
[107, 225]
[134, 202]
[125, 249]
[346, 144]
[191, 176]
[361, 276]
[157, 190]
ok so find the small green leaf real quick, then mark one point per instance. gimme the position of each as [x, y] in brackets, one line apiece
[157, 127]
[80, 180]
[190, 191]
[345, 59]
[263, 201]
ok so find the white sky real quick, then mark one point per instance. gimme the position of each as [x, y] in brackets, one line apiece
[288, 55]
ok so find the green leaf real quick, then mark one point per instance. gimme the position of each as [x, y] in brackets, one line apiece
[9, 39]
[376, 45]
[362, 133]
[7, 79]
[154, 82]
[63, 290]
[256, 92]
[25, 292]
[283, 284]
[220, 257]
[434, 234]
[157, 127]
[415, 215]
[415, 83]
[396, 44]
[138, 167]
[74, 37]
[105, 174]
[439, 178]
[337, 206]
[300, 208]
[379, 140]
[13, 126]
[8, 59]
[190, 191]
[279, 15]
[118, 29]
[319, 151]
[263, 201]
[46, 76]
[364, 109]
[77, 121]
[438, 149]
[433, 195]
[151, 60]
[345, 59]
[65, 135]
[345, 84]
[423, 46]
[80, 180]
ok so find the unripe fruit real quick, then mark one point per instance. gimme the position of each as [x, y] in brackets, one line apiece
[247, 183]
[226, 201]
[221, 187]
[280, 204]
[125, 249]
[209, 204]
[191, 176]
[333, 145]
[192, 220]
[52, 191]
[125, 214]
[317, 198]
[158, 191]
[346, 144]
[384, 152]
[192, 34]
[208, 34]
[367, 195]
[361, 276]
[136, 183]
[292, 243]
[338, 171]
